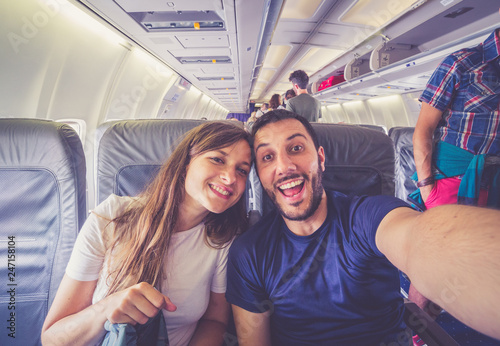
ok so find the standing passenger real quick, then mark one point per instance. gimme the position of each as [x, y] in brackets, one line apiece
[303, 104]
[461, 101]
[164, 251]
[288, 95]
[275, 102]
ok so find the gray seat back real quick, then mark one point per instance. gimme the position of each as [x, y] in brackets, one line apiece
[405, 163]
[131, 152]
[42, 208]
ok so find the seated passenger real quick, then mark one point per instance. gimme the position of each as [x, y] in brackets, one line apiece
[321, 270]
[165, 250]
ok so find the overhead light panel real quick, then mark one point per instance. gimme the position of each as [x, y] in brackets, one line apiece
[204, 60]
[300, 9]
[316, 59]
[275, 56]
[158, 21]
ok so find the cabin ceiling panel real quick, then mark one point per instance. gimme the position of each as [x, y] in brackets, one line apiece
[328, 40]
[203, 41]
[168, 40]
[285, 27]
[375, 13]
[275, 56]
[219, 84]
[300, 9]
[316, 58]
[217, 69]
[266, 74]
[201, 52]
[162, 5]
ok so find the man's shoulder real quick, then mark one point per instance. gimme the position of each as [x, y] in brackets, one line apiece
[339, 200]
[464, 57]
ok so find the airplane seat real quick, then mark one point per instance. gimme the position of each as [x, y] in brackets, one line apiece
[131, 152]
[358, 160]
[446, 329]
[42, 208]
[405, 163]
[374, 127]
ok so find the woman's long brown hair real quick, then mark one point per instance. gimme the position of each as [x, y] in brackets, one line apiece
[142, 234]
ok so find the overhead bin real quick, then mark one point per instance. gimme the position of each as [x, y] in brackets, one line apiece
[357, 67]
[388, 53]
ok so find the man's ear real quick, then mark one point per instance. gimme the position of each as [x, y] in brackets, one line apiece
[321, 157]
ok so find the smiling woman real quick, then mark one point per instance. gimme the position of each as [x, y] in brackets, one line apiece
[137, 256]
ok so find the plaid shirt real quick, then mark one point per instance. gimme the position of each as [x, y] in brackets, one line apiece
[466, 87]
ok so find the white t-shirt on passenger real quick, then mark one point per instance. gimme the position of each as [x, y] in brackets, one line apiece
[193, 268]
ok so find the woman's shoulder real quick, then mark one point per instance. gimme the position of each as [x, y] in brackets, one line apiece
[114, 206]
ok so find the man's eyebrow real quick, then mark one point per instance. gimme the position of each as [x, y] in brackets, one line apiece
[288, 139]
[295, 135]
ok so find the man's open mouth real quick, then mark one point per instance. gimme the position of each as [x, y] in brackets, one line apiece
[291, 188]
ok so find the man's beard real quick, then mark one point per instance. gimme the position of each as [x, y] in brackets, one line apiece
[314, 201]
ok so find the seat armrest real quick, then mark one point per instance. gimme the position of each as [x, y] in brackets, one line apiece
[426, 328]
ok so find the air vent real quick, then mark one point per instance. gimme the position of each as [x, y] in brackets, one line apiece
[204, 60]
[179, 21]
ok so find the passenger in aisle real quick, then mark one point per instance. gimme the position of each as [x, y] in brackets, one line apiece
[288, 95]
[275, 102]
[322, 270]
[303, 104]
[263, 110]
[164, 251]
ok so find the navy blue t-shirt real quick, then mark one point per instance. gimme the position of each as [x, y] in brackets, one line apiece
[333, 286]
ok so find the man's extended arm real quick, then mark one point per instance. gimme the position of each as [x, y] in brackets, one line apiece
[422, 144]
[252, 328]
[451, 254]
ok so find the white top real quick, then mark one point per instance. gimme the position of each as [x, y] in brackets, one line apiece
[193, 268]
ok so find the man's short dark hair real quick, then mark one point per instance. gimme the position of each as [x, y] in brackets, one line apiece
[283, 114]
[300, 78]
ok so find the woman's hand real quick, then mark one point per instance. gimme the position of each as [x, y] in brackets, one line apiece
[135, 304]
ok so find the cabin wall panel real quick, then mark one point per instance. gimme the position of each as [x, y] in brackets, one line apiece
[139, 88]
[357, 113]
[389, 111]
[334, 114]
[182, 107]
[196, 109]
[412, 106]
[202, 108]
